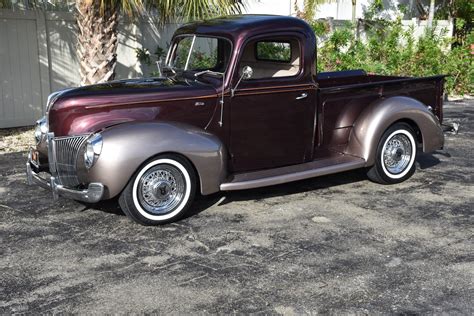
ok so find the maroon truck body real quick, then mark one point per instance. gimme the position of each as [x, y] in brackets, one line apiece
[264, 125]
[336, 102]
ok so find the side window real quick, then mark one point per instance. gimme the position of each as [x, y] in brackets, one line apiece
[272, 58]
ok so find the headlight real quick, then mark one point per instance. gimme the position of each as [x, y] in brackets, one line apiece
[92, 150]
[41, 129]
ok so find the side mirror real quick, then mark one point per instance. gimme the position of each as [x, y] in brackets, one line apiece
[247, 73]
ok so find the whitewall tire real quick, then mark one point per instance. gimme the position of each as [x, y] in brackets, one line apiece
[161, 191]
[395, 156]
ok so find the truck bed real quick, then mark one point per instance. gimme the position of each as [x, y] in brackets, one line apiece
[351, 91]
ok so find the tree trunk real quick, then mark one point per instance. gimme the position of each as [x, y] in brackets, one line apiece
[96, 41]
[431, 13]
[354, 3]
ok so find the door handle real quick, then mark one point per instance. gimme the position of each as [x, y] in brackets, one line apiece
[302, 96]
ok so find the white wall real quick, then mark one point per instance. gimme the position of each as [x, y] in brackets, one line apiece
[278, 7]
[336, 9]
[61, 38]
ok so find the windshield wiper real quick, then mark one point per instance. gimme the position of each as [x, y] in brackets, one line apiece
[197, 74]
[168, 67]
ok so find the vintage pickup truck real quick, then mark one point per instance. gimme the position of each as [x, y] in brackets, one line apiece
[239, 106]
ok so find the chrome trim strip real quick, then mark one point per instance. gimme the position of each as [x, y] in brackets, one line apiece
[74, 136]
[150, 101]
[51, 153]
[295, 86]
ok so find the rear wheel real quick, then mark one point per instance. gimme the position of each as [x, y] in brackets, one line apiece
[395, 156]
[161, 191]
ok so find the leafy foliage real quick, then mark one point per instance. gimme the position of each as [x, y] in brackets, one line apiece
[389, 49]
[143, 56]
[203, 61]
[275, 51]
[462, 13]
[201, 58]
[168, 10]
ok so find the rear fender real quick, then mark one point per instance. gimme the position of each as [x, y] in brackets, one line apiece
[127, 146]
[380, 115]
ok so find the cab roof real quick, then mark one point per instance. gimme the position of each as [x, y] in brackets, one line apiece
[236, 27]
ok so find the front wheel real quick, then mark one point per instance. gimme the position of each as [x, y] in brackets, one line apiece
[161, 191]
[395, 156]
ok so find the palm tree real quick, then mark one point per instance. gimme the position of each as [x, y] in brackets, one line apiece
[431, 13]
[354, 4]
[309, 8]
[97, 22]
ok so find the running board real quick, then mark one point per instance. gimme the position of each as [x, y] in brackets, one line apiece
[280, 175]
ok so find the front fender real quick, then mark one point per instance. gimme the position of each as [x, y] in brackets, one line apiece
[378, 116]
[127, 146]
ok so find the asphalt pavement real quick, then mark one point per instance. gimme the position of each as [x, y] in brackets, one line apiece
[335, 244]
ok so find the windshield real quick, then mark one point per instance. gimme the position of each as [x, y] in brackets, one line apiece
[196, 53]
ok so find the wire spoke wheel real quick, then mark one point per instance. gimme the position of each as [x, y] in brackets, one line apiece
[161, 189]
[397, 153]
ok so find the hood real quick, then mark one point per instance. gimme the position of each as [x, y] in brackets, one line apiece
[131, 90]
[90, 108]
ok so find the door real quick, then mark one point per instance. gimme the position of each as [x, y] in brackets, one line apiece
[272, 113]
[21, 92]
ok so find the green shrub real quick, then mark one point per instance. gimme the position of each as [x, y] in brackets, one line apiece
[388, 49]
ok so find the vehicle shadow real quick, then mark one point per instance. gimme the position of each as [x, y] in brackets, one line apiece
[428, 160]
[110, 206]
[302, 186]
[202, 203]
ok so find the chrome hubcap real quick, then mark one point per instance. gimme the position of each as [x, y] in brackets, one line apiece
[397, 153]
[161, 189]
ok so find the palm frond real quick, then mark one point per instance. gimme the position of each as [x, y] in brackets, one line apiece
[169, 10]
[195, 9]
[310, 8]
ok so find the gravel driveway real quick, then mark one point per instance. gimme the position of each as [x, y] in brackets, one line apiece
[337, 244]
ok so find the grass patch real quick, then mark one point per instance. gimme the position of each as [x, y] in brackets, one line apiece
[16, 139]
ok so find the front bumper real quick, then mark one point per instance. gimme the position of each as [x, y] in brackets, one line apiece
[92, 194]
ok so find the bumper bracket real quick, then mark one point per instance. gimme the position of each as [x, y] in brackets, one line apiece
[92, 194]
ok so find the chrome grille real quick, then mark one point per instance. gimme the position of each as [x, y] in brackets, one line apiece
[67, 150]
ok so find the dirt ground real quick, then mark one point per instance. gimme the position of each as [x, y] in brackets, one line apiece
[336, 244]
